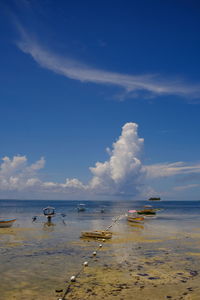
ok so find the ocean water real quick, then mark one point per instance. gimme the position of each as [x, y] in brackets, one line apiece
[37, 259]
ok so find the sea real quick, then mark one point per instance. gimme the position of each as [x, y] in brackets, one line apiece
[37, 258]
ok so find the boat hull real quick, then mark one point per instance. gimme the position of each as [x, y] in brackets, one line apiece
[146, 212]
[6, 223]
[80, 209]
[97, 234]
[135, 219]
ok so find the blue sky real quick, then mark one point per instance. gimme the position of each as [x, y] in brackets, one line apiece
[78, 76]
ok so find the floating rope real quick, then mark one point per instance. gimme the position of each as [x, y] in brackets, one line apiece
[85, 264]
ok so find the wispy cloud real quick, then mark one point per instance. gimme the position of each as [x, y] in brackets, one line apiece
[171, 169]
[134, 85]
[186, 187]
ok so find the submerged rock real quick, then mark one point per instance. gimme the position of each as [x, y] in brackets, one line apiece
[59, 290]
[143, 274]
[194, 273]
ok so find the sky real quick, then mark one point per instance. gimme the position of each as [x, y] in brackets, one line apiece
[100, 100]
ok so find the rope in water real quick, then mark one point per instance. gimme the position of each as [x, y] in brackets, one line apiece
[85, 264]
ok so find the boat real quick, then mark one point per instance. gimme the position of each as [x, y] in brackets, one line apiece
[97, 234]
[133, 217]
[147, 210]
[154, 199]
[81, 207]
[102, 209]
[5, 223]
[49, 212]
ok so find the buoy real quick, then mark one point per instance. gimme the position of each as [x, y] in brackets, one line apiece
[85, 263]
[100, 246]
[73, 278]
[103, 240]
[94, 253]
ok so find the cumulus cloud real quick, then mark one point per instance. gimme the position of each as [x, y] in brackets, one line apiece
[16, 174]
[123, 174]
[133, 85]
[120, 175]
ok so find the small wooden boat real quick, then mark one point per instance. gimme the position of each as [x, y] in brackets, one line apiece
[133, 217]
[5, 223]
[147, 210]
[98, 234]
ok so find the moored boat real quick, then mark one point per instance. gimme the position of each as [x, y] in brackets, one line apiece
[97, 234]
[133, 217]
[49, 211]
[5, 223]
[81, 207]
[147, 210]
[102, 210]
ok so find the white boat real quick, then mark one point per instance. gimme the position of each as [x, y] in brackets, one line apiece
[5, 223]
[81, 207]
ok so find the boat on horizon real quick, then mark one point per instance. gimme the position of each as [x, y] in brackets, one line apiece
[6, 223]
[154, 199]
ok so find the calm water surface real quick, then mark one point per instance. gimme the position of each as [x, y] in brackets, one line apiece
[36, 259]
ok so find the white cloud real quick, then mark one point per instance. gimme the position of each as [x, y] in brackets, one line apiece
[15, 174]
[120, 175]
[186, 187]
[171, 169]
[133, 85]
[123, 174]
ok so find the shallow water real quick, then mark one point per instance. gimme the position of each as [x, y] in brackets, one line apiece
[37, 259]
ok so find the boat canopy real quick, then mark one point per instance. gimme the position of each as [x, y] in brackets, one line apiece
[49, 211]
[132, 211]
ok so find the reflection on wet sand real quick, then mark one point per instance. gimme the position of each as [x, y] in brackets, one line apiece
[136, 226]
[49, 226]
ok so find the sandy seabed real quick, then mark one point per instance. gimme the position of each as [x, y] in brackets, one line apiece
[139, 262]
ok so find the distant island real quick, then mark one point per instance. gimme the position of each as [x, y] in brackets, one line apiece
[154, 199]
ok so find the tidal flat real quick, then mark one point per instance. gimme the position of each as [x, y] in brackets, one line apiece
[159, 259]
